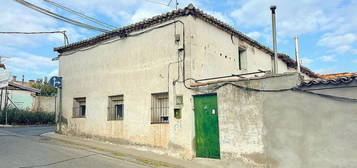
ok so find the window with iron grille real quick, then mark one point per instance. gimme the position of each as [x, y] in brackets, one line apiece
[116, 107]
[79, 107]
[159, 108]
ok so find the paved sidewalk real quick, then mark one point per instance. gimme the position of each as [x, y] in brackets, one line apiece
[128, 153]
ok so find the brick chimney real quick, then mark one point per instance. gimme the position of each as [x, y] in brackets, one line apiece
[13, 78]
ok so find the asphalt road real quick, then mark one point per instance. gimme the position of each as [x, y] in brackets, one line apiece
[24, 148]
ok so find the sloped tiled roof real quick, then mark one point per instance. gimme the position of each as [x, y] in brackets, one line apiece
[337, 75]
[23, 87]
[189, 10]
[330, 81]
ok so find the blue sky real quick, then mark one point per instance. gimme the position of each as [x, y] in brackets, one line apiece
[327, 30]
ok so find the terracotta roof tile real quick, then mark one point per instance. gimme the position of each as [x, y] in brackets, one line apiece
[337, 75]
[337, 80]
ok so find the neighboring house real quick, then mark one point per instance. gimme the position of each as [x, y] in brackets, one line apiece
[18, 94]
[21, 95]
[136, 84]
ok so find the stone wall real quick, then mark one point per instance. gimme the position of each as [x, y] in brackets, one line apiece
[44, 104]
[287, 128]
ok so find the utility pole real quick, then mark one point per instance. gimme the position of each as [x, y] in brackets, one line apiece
[60, 111]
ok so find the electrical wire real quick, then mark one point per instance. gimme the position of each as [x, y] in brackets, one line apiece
[81, 15]
[295, 89]
[338, 98]
[251, 89]
[66, 42]
[31, 32]
[146, 31]
[122, 36]
[59, 17]
[216, 88]
[161, 3]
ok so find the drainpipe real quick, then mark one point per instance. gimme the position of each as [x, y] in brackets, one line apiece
[297, 57]
[275, 60]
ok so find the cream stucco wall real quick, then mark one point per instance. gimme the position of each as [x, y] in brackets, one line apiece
[21, 98]
[138, 66]
[215, 53]
[134, 67]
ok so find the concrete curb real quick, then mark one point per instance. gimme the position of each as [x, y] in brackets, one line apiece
[23, 126]
[120, 151]
[5, 126]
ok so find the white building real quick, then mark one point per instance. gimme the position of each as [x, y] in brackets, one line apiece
[134, 84]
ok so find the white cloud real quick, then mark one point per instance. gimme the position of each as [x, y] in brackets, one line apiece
[336, 20]
[293, 17]
[343, 49]
[20, 62]
[119, 11]
[306, 61]
[328, 70]
[146, 9]
[254, 35]
[332, 40]
[53, 73]
[220, 16]
[327, 58]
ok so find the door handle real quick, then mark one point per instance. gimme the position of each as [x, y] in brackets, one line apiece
[213, 111]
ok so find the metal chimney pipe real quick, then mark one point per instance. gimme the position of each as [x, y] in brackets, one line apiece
[275, 60]
[297, 54]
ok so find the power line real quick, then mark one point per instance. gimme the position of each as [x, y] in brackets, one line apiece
[161, 3]
[48, 32]
[81, 15]
[59, 17]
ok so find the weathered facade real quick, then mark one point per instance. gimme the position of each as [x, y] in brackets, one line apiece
[44, 104]
[147, 71]
[289, 124]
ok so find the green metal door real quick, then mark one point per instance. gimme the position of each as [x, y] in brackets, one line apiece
[206, 123]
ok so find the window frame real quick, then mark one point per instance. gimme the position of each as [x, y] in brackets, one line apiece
[242, 59]
[79, 103]
[113, 101]
[160, 108]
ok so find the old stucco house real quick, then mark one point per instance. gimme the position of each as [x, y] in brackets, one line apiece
[18, 94]
[136, 84]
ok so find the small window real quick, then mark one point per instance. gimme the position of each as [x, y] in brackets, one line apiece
[159, 108]
[79, 107]
[116, 108]
[242, 59]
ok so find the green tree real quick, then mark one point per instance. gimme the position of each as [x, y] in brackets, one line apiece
[45, 87]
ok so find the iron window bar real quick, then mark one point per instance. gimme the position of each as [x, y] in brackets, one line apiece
[116, 108]
[159, 108]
